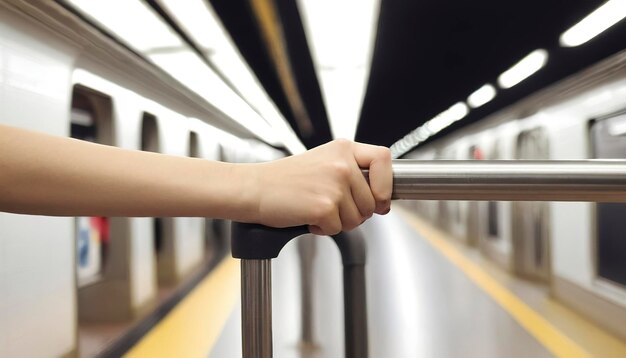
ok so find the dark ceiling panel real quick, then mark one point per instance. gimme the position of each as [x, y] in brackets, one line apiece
[304, 70]
[239, 19]
[430, 54]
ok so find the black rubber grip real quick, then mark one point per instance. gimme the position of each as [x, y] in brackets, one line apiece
[259, 242]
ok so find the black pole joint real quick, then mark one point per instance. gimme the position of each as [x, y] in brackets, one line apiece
[259, 242]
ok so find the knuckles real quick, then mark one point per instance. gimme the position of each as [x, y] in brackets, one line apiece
[342, 170]
[323, 209]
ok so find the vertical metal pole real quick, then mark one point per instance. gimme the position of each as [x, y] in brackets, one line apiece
[355, 311]
[307, 250]
[256, 308]
[353, 255]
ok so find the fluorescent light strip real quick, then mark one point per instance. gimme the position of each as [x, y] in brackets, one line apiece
[190, 69]
[481, 96]
[132, 22]
[199, 21]
[447, 117]
[443, 120]
[342, 55]
[143, 30]
[594, 24]
[523, 69]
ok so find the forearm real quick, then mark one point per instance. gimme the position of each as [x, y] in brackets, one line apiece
[47, 175]
[323, 188]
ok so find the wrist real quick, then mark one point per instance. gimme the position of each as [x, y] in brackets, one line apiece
[245, 181]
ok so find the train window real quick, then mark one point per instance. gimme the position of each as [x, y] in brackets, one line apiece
[608, 137]
[150, 142]
[194, 145]
[492, 206]
[90, 120]
[149, 134]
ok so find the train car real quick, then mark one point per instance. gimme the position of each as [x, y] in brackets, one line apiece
[573, 247]
[59, 76]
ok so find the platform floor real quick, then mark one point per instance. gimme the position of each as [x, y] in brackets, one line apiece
[427, 297]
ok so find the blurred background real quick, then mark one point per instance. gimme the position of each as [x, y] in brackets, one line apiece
[257, 80]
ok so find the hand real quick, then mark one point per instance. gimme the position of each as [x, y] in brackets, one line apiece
[325, 188]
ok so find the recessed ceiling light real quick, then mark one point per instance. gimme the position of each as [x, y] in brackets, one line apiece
[481, 96]
[594, 24]
[523, 69]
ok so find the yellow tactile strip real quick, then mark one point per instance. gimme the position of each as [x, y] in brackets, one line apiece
[192, 327]
[547, 334]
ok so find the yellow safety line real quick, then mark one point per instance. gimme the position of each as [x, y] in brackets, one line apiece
[548, 335]
[193, 326]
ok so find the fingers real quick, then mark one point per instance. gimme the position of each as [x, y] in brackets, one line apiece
[351, 199]
[346, 218]
[361, 194]
[378, 160]
[350, 215]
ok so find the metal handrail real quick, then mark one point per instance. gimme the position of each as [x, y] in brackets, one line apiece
[590, 180]
[518, 180]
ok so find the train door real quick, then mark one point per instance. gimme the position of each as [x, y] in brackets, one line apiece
[608, 139]
[492, 223]
[90, 120]
[446, 208]
[473, 230]
[531, 247]
[491, 239]
[457, 209]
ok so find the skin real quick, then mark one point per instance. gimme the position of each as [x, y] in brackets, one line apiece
[323, 188]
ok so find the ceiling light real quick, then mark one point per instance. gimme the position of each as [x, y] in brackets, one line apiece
[422, 133]
[136, 24]
[481, 96]
[188, 68]
[523, 69]
[447, 117]
[595, 23]
[341, 54]
[199, 21]
[343, 92]
[132, 22]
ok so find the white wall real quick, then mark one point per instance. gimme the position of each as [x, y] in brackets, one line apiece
[188, 232]
[37, 278]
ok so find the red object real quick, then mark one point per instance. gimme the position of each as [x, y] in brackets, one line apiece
[101, 224]
[477, 154]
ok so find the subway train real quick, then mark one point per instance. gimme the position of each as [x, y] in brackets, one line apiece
[60, 77]
[577, 249]
[99, 286]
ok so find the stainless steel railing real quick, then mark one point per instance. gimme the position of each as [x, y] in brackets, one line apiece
[590, 180]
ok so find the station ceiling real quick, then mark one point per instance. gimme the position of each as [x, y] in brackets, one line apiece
[428, 55]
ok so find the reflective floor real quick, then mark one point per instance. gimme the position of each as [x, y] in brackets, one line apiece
[420, 304]
[428, 296]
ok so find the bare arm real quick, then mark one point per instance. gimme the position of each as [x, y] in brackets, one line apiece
[47, 175]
